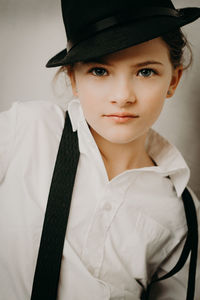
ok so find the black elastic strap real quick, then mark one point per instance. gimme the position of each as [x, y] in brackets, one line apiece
[193, 233]
[191, 245]
[47, 271]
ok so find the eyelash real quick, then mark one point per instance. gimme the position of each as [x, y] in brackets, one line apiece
[98, 68]
[153, 72]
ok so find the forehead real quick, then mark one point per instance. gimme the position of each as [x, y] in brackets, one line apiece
[155, 49]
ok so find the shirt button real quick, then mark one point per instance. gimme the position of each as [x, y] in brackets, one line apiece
[107, 207]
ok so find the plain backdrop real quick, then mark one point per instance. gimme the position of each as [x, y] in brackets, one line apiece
[32, 31]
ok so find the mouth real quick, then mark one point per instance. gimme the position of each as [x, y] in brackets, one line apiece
[121, 117]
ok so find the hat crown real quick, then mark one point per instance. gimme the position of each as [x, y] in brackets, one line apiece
[97, 28]
[78, 14]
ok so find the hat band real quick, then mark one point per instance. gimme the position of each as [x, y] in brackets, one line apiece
[124, 18]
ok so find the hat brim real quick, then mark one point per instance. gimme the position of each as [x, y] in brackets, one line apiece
[120, 37]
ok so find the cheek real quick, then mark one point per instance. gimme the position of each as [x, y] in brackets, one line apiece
[89, 89]
[151, 99]
[153, 88]
[91, 101]
[91, 94]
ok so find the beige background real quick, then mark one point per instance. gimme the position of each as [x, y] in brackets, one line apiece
[31, 32]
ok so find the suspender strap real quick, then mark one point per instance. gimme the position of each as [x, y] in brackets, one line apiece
[193, 234]
[45, 284]
[191, 245]
[47, 272]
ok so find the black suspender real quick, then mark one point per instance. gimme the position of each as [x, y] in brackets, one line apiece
[45, 284]
[46, 278]
[191, 245]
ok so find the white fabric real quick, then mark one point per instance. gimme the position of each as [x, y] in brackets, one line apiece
[119, 232]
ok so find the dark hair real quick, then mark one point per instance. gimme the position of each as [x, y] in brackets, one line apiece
[177, 43]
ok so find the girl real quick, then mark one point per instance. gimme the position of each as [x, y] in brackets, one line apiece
[126, 223]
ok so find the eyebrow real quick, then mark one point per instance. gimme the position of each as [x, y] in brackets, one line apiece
[138, 65]
[148, 62]
[100, 61]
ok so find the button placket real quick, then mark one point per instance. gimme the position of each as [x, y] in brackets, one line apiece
[93, 252]
[106, 210]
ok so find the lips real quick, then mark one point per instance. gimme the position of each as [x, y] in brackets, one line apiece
[122, 115]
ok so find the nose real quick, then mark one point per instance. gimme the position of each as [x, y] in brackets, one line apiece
[123, 92]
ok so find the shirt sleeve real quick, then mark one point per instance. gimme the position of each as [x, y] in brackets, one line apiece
[175, 287]
[7, 136]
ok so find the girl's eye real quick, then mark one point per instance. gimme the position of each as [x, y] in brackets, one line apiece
[98, 72]
[146, 72]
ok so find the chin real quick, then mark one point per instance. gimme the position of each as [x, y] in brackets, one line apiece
[117, 139]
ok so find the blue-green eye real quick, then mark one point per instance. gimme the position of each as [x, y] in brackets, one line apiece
[99, 72]
[146, 72]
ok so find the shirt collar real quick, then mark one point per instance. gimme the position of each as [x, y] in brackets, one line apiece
[169, 160]
[75, 114]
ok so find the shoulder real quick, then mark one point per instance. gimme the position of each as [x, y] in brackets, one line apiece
[26, 123]
[37, 110]
[31, 111]
[32, 115]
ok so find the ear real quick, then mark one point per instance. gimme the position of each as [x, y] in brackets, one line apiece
[71, 74]
[176, 76]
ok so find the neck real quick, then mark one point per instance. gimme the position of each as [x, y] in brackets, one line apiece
[118, 158]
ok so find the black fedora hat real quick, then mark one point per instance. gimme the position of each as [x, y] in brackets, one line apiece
[97, 28]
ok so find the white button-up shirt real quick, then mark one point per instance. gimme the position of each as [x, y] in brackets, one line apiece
[120, 232]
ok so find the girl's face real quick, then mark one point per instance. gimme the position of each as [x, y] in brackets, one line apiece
[123, 93]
